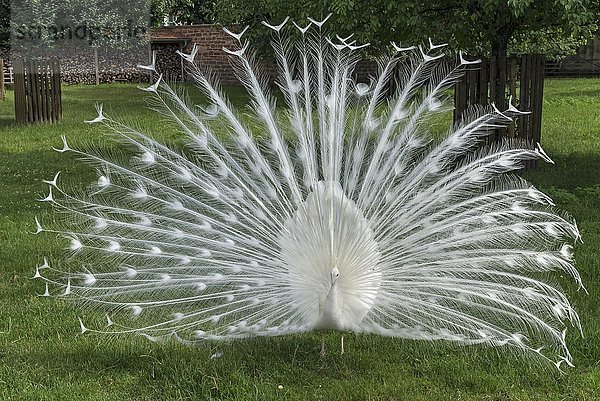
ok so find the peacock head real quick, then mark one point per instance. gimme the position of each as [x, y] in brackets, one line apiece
[335, 273]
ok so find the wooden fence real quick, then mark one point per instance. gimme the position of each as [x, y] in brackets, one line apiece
[37, 91]
[522, 78]
[2, 85]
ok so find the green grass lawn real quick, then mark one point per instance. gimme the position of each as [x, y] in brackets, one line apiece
[42, 356]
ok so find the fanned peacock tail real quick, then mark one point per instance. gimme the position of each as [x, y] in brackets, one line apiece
[340, 212]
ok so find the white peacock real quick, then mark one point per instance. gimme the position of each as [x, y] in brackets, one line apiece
[339, 212]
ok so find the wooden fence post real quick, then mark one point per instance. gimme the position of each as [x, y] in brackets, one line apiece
[537, 92]
[483, 83]
[512, 91]
[19, 86]
[56, 91]
[2, 86]
[96, 66]
[524, 90]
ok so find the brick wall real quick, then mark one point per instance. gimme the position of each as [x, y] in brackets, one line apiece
[210, 40]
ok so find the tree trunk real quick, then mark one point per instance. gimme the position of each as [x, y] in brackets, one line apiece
[499, 48]
[498, 71]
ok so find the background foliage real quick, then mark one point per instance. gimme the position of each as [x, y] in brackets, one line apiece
[478, 26]
[553, 27]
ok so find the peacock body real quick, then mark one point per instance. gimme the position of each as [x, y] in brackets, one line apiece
[340, 212]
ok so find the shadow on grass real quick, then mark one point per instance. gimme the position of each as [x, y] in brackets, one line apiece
[570, 180]
[7, 122]
[575, 94]
[261, 365]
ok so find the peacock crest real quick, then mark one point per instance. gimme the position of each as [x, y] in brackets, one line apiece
[339, 211]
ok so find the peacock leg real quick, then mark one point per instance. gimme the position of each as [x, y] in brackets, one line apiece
[322, 345]
[342, 351]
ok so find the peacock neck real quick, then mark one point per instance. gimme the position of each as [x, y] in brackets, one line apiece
[330, 317]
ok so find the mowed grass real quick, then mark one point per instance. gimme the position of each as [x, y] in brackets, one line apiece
[42, 356]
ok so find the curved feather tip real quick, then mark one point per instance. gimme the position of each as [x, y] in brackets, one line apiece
[82, 327]
[65, 147]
